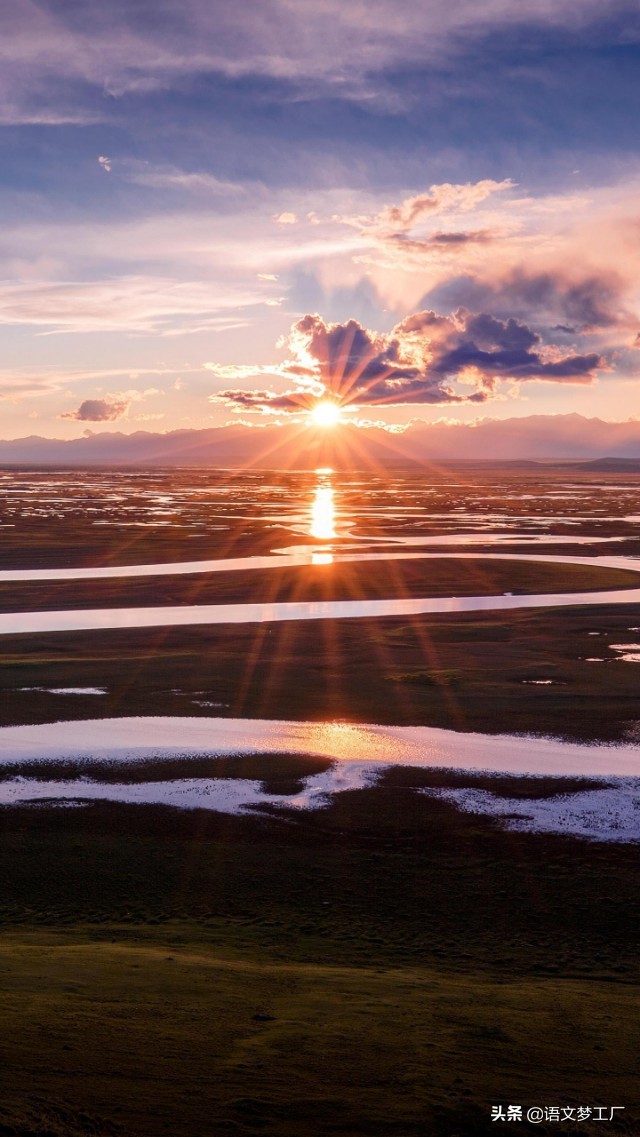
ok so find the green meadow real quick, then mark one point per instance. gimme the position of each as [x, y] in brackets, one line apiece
[386, 964]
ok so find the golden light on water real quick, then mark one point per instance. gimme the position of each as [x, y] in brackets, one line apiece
[325, 413]
[323, 513]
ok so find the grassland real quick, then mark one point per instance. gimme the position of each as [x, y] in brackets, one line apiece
[415, 964]
[156, 1037]
[370, 580]
[386, 965]
[466, 672]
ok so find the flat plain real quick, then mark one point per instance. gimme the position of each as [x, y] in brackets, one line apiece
[386, 964]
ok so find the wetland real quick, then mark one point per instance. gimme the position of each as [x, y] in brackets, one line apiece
[386, 955]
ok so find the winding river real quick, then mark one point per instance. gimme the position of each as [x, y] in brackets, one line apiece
[103, 619]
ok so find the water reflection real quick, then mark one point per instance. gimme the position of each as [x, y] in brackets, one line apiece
[323, 512]
[358, 753]
[94, 742]
[185, 615]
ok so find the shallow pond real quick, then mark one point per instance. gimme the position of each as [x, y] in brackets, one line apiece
[358, 752]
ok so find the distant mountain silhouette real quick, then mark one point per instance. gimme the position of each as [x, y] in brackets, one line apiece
[612, 465]
[536, 438]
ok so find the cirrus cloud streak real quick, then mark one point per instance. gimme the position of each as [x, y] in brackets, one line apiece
[56, 55]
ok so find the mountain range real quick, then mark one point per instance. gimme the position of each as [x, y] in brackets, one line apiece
[536, 438]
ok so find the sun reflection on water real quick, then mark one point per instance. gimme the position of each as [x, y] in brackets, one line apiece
[323, 511]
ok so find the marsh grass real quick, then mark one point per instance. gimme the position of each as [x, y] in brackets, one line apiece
[332, 669]
[158, 1033]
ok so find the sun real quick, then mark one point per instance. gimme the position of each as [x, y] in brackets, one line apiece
[325, 414]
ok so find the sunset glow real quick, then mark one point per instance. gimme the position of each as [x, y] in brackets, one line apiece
[437, 285]
[320, 550]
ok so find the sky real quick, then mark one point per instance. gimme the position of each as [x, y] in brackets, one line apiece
[416, 209]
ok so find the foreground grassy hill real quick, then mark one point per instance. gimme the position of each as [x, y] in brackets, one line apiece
[384, 966]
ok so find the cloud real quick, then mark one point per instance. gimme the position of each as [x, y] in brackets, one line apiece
[106, 163]
[203, 259]
[12, 115]
[99, 410]
[285, 218]
[300, 371]
[173, 178]
[418, 362]
[390, 232]
[394, 220]
[445, 198]
[112, 406]
[476, 236]
[48, 48]
[582, 303]
[268, 402]
[144, 304]
[17, 385]
[398, 250]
